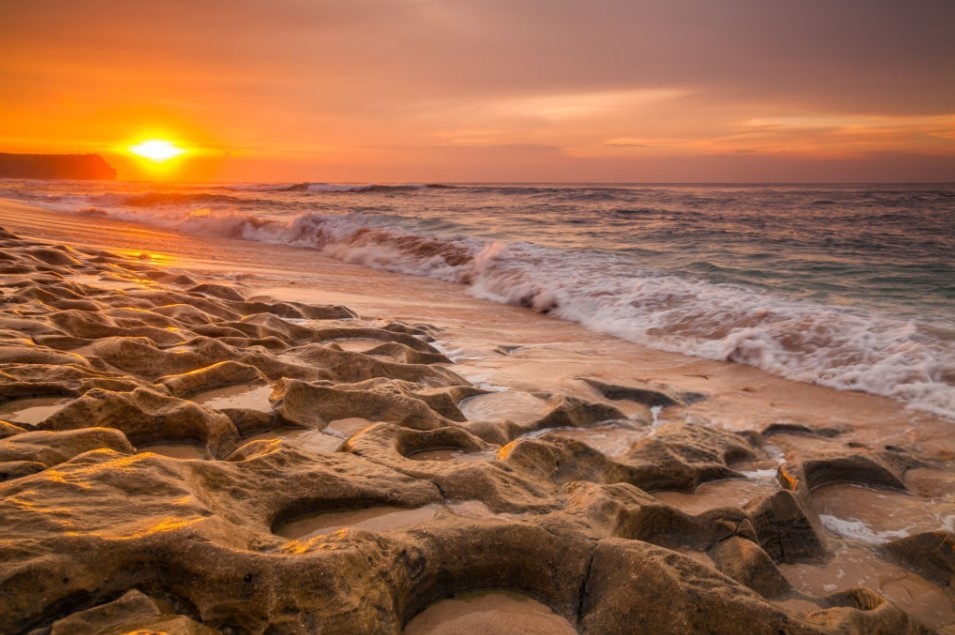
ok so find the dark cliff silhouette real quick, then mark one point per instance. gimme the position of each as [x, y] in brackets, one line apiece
[55, 166]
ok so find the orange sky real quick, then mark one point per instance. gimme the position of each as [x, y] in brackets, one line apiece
[489, 90]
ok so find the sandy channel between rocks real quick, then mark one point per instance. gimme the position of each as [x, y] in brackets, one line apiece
[171, 405]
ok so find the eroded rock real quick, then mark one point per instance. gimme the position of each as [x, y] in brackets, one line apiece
[133, 612]
[99, 534]
[747, 563]
[931, 554]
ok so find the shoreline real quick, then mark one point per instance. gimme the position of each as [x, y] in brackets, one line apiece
[303, 274]
[618, 444]
[896, 355]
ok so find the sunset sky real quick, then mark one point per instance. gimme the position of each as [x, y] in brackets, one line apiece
[488, 90]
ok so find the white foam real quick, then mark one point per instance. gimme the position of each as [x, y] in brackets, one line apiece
[858, 530]
[761, 474]
[800, 340]
[803, 341]
[655, 415]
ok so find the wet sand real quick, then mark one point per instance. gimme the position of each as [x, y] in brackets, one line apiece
[248, 397]
[865, 473]
[376, 519]
[489, 613]
[30, 411]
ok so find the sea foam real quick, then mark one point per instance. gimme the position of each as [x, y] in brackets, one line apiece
[842, 347]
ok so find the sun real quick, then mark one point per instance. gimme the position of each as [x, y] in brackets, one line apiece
[157, 150]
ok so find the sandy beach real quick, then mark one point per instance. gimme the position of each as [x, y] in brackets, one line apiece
[214, 435]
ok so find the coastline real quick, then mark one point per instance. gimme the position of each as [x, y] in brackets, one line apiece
[741, 419]
[749, 398]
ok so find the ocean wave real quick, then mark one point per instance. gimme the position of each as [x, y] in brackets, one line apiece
[803, 341]
[321, 188]
[330, 188]
[800, 340]
[268, 187]
[169, 199]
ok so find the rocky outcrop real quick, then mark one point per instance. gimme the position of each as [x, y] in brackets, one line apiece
[55, 166]
[105, 529]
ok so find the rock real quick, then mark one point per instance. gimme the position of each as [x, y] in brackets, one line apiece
[850, 466]
[330, 334]
[100, 324]
[635, 587]
[166, 277]
[681, 456]
[198, 532]
[49, 380]
[345, 366]
[249, 422]
[802, 430]
[315, 405]
[445, 399]
[562, 460]
[406, 355]
[862, 611]
[490, 554]
[786, 528]
[499, 487]
[496, 432]
[570, 411]
[627, 580]
[324, 311]
[140, 357]
[55, 166]
[51, 448]
[217, 290]
[262, 324]
[97, 537]
[227, 373]
[17, 469]
[644, 395]
[744, 561]
[931, 554]
[392, 445]
[29, 353]
[8, 429]
[134, 611]
[147, 416]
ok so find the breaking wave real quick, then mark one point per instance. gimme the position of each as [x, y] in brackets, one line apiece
[318, 188]
[166, 199]
[801, 340]
[846, 287]
[249, 197]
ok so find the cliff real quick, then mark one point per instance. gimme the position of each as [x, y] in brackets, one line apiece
[55, 166]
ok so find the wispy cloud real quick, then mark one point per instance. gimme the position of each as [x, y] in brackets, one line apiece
[622, 80]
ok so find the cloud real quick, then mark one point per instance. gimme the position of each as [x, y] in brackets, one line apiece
[620, 79]
[859, 56]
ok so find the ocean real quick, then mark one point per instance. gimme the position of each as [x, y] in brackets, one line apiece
[848, 286]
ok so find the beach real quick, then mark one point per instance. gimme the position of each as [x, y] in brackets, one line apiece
[207, 434]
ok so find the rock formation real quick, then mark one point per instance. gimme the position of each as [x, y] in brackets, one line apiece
[104, 528]
[55, 166]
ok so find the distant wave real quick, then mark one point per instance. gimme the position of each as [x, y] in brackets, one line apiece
[268, 187]
[319, 188]
[166, 199]
[800, 340]
[367, 187]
